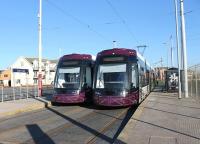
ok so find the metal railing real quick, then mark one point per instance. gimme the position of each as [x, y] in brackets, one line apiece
[23, 92]
[194, 81]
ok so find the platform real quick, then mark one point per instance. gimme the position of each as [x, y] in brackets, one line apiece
[162, 118]
[10, 108]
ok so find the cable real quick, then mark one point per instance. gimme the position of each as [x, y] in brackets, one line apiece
[87, 26]
[121, 19]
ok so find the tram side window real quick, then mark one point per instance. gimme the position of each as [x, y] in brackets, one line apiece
[142, 77]
[147, 77]
[88, 77]
[134, 80]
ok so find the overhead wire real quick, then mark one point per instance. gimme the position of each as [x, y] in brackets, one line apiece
[122, 20]
[86, 25]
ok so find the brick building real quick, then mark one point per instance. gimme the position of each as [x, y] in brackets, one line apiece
[5, 78]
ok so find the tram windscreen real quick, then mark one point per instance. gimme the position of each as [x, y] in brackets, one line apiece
[68, 77]
[111, 76]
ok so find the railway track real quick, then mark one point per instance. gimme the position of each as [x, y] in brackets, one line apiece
[58, 130]
[105, 128]
[79, 125]
[40, 121]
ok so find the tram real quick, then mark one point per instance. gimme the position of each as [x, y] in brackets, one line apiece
[122, 77]
[73, 79]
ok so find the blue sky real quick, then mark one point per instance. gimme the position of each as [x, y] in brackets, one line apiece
[89, 26]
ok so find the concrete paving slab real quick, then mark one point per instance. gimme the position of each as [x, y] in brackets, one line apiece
[162, 140]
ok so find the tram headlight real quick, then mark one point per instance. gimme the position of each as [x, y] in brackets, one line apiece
[78, 92]
[123, 93]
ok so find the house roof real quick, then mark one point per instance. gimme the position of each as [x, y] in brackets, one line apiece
[30, 60]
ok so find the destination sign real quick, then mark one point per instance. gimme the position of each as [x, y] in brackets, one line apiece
[110, 59]
[66, 63]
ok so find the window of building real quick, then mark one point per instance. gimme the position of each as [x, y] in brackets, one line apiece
[35, 74]
[5, 75]
[35, 81]
[18, 81]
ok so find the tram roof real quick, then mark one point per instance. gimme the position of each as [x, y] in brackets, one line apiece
[118, 51]
[143, 59]
[123, 51]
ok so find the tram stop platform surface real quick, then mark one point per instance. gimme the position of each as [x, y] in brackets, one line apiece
[162, 118]
[9, 108]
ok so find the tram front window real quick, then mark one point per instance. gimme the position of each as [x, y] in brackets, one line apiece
[111, 76]
[68, 78]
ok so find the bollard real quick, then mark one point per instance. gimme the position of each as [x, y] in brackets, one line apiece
[2, 94]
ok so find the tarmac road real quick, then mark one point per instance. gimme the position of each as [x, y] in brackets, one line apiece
[66, 124]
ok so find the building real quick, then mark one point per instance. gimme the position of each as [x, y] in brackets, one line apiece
[24, 71]
[160, 73]
[5, 78]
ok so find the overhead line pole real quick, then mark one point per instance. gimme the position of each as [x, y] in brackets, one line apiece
[171, 52]
[178, 50]
[40, 49]
[184, 51]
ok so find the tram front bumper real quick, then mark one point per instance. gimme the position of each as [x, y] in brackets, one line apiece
[69, 98]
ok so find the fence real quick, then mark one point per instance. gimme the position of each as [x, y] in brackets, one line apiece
[23, 92]
[194, 81]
